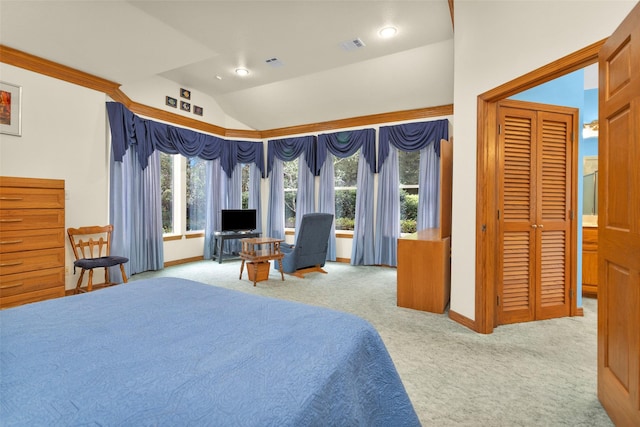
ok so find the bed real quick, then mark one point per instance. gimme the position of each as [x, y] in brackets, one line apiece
[170, 351]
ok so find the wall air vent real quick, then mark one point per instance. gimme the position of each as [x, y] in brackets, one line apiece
[274, 62]
[352, 44]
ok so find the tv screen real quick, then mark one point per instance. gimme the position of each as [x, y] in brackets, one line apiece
[238, 219]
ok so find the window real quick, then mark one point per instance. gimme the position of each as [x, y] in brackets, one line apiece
[346, 180]
[246, 182]
[182, 182]
[167, 188]
[196, 199]
[290, 192]
[409, 170]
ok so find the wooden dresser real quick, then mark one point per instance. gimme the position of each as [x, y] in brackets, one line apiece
[424, 271]
[32, 239]
[424, 258]
[590, 261]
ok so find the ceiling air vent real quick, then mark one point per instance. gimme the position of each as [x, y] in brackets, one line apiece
[352, 44]
[274, 62]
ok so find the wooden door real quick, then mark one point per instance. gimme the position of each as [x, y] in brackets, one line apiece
[535, 211]
[619, 224]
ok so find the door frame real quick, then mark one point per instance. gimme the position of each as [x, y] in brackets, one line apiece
[486, 176]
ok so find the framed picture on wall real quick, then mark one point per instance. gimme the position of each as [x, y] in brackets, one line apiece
[171, 102]
[10, 109]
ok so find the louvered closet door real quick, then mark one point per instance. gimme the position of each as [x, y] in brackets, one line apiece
[534, 165]
[517, 214]
[553, 229]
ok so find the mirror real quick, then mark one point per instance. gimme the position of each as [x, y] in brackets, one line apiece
[590, 191]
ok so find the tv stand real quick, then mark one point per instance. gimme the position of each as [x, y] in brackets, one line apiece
[219, 238]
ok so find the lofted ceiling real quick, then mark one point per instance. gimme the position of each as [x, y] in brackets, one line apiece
[314, 74]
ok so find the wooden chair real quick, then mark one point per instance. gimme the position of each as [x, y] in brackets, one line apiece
[92, 249]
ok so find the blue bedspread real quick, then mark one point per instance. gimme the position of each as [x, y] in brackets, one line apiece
[174, 352]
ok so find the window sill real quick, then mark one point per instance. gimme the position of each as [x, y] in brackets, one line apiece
[170, 237]
[340, 234]
[194, 234]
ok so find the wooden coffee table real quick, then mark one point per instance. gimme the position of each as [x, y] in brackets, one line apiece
[257, 252]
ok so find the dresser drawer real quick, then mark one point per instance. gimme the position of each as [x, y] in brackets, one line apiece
[27, 297]
[31, 219]
[31, 198]
[27, 240]
[19, 262]
[31, 281]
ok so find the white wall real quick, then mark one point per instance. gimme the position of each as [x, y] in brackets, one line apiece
[153, 92]
[64, 130]
[496, 42]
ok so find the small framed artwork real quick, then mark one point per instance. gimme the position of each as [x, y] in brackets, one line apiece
[185, 93]
[171, 102]
[10, 109]
[185, 106]
[197, 110]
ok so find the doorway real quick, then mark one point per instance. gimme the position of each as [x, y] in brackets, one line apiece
[487, 236]
[536, 190]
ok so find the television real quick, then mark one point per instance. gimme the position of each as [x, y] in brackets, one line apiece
[238, 220]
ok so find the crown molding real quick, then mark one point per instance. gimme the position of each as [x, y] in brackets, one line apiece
[49, 68]
[396, 116]
[39, 65]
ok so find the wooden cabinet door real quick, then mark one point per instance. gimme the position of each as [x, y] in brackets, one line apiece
[535, 201]
[619, 224]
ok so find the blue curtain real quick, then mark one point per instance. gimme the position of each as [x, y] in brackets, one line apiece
[245, 152]
[255, 199]
[327, 200]
[362, 250]
[286, 150]
[214, 203]
[388, 211]
[306, 195]
[275, 214]
[411, 137]
[346, 144]
[134, 199]
[405, 137]
[144, 137]
[429, 190]
[290, 149]
[234, 201]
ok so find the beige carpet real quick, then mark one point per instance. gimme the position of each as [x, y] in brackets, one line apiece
[528, 374]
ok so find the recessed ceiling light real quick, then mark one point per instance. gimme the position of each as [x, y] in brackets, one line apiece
[387, 32]
[242, 72]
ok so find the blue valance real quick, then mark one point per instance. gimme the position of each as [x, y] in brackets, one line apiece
[412, 137]
[245, 152]
[145, 136]
[345, 144]
[123, 132]
[290, 149]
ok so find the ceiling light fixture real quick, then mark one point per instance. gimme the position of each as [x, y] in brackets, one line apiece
[388, 32]
[219, 77]
[242, 72]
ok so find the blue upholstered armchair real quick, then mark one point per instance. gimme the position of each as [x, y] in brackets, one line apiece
[310, 251]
